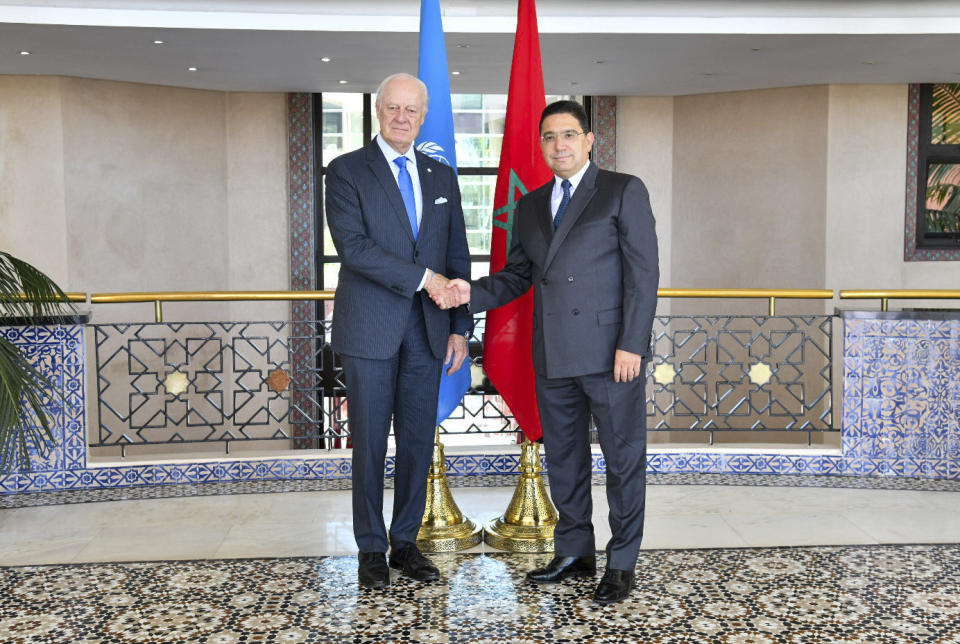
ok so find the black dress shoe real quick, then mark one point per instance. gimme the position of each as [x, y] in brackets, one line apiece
[562, 567]
[614, 586]
[372, 570]
[408, 559]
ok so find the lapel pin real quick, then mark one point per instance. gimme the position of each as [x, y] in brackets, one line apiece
[429, 169]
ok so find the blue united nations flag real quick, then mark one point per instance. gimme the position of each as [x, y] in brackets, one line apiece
[436, 140]
[436, 135]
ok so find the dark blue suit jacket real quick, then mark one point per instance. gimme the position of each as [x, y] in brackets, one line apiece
[594, 278]
[381, 264]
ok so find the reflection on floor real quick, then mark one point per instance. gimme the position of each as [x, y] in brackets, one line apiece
[876, 594]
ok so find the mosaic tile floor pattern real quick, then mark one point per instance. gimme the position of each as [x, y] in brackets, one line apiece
[59, 497]
[869, 594]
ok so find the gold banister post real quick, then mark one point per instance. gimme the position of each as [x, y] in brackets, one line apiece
[884, 302]
[158, 310]
[773, 306]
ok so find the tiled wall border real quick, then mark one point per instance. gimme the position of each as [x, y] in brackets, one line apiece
[301, 205]
[604, 122]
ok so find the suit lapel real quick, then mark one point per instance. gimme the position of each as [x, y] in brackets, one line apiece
[544, 216]
[427, 193]
[380, 169]
[581, 197]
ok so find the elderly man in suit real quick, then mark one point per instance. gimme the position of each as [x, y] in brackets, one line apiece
[586, 242]
[397, 224]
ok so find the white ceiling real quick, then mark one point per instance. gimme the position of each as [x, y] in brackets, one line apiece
[602, 48]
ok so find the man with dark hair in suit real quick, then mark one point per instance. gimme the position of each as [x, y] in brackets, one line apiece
[396, 221]
[586, 243]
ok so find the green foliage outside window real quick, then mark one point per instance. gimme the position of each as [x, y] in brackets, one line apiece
[943, 179]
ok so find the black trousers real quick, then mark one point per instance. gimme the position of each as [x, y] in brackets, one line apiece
[620, 410]
[403, 388]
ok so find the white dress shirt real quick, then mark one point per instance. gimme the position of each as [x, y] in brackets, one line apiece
[392, 154]
[557, 194]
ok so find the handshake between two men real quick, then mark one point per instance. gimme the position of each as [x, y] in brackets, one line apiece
[447, 293]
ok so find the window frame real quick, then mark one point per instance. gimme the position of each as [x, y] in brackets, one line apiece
[928, 153]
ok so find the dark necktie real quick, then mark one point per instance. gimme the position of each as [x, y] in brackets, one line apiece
[406, 191]
[564, 202]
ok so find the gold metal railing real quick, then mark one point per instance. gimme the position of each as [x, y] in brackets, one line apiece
[899, 294]
[159, 297]
[769, 294]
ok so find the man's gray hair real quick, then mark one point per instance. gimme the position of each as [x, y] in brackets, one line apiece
[391, 77]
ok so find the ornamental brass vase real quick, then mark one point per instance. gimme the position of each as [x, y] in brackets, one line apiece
[444, 528]
[528, 523]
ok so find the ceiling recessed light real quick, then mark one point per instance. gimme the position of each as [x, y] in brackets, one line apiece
[191, 69]
[24, 53]
[599, 62]
[708, 73]
[573, 82]
[868, 62]
[754, 49]
[342, 82]
[455, 73]
[157, 42]
[463, 45]
[325, 59]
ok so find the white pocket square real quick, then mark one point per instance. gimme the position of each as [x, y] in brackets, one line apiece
[440, 200]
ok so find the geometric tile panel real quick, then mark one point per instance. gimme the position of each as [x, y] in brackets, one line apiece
[57, 351]
[901, 404]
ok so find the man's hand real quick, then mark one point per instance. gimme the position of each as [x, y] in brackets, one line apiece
[462, 289]
[457, 351]
[626, 366]
[436, 287]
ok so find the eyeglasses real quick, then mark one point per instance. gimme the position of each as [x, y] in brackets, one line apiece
[551, 137]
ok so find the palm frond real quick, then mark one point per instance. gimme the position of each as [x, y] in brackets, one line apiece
[946, 113]
[27, 292]
[24, 424]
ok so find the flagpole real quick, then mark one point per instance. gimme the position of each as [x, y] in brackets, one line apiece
[443, 528]
[528, 523]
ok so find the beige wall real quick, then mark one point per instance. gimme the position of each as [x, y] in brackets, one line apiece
[800, 187]
[749, 193]
[645, 146]
[126, 187]
[32, 211]
[866, 196]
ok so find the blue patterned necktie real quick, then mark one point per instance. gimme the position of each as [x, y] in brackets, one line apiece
[564, 202]
[406, 191]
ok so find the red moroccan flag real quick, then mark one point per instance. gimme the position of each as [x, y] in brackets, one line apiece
[507, 344]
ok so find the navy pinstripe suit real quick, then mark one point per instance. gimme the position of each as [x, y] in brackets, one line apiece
[392, 338]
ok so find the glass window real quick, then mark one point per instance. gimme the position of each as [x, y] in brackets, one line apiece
[945, 125]
[342, 124]
[478, 130]
[476, 195]
[938, 167]
[943, 199]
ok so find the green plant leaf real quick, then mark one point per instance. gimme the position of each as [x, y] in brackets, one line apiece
[27, 292]
[23, 419]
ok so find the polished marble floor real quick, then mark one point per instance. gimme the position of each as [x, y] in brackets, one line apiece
[868, 594]
[284, 524]
[721, 563]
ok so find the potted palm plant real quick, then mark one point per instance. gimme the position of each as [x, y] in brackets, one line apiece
[26, 296]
